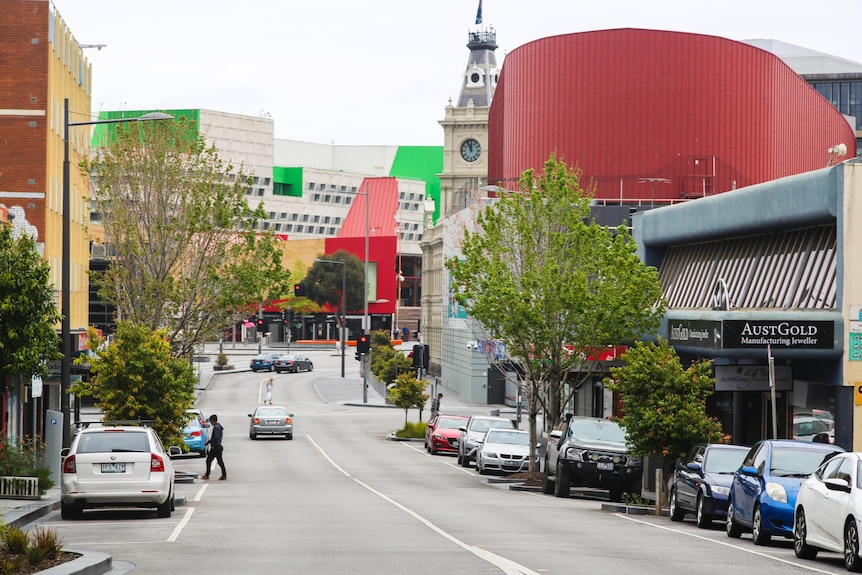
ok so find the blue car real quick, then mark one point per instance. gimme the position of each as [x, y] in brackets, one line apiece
[195, 436]
[763, 491]
[263, 362]
[701, 482]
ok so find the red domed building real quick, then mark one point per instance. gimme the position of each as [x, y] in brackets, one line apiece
[654, 116]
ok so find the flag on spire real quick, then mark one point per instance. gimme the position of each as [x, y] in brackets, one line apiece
[479, 13]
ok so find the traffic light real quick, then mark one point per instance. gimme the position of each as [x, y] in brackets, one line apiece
[260, 324]
[298, 290]
[363, 344]
[284, 321]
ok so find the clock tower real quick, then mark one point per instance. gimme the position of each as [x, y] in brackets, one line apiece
[465, 126]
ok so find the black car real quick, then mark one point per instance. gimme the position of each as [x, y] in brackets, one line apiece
[701, 482]
[293, 363]
[590, 452]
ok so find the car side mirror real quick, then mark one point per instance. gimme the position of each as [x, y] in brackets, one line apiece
[173, 451]
[249, 415]
[836, 484]
[749, 470]
[64, 452]
[693, 466]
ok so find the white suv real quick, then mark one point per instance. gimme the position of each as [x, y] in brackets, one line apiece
[117, 466]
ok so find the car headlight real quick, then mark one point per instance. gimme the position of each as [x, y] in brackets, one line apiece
[776, 492]
[490, 454]
[719, 490]
[575, 454]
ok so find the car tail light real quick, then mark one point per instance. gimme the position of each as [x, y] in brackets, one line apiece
[195, 433]
[287, 420]
[69, 464]
[156, 462]
[257, 421]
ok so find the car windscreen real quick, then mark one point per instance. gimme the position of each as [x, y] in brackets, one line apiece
[483, 425]
[790, 462]
[270, 412]
[597, 431]
[724, 460]
[449, 423]
[507, 437]
[113, 441]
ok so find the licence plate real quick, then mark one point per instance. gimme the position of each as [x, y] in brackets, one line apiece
[605, 466]
[113, 468]
[272, 422]
[454, 443]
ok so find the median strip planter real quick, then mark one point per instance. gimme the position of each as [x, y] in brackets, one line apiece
[19, 487]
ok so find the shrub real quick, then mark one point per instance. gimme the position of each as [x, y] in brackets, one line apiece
[221, 360]
[48, 541]
[14, 540]
[20, 459]
[412, 430]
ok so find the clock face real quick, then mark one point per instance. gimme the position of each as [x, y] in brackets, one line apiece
[470, 150]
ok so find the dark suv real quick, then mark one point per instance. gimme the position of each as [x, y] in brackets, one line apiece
[590, 452]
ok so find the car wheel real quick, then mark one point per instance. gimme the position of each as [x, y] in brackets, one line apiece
[702, 519]
[851, 546]
[202, 453]
[431, 449]
[270, 369]
[460, 458]
[800, 531]
[615, 495]
[479, 467]
[69, 511]
[733, 530]
[757, 534]
[164, 509]
[311, 367]
[562, 483]
[465, 461]
[676, 514]
[252, 435]
[289, 436]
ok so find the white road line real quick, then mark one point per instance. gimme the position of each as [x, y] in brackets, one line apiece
[505, 565]
[452, 465]
[183, 522]
[200, 493]
[805, 566]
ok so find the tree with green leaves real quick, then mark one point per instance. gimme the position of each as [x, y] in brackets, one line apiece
[188, 253]
[137, 377]
[664, 405]
[550, 287]
[28, 339]
[408, 392]
[324, 281]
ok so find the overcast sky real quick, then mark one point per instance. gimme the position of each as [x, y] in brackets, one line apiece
[380, 71]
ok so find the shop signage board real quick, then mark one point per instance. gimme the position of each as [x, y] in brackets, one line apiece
[780, 334]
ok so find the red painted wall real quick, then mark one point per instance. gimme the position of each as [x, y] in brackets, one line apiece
[381, 250]
[707, 113]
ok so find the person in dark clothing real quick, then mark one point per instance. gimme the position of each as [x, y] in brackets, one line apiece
[215, 448]
[435, 404]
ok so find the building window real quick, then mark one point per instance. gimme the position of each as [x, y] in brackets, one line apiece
[327, 198]
[320, 231]
[331, 231]
[294, 217]
[310, 185]
[343, 188]
[352, 189]
[347, 202]
[337, 221]
[266, 181]
[282, 216]
[278, 227]
[337, 199]
[320, 187]
[326, 220]
[316, 219]
[288, 227]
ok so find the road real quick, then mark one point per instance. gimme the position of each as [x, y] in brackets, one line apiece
[341, 498]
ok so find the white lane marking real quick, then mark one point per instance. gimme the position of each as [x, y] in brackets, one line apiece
[805, 566]
[200, 492]
[507, 566]
[452, 465]
[183, 522]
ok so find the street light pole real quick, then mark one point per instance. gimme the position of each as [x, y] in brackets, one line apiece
[365, 317]
[343, 304]
[66, 264]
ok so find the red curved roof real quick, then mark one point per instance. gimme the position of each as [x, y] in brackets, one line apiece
[629, 106]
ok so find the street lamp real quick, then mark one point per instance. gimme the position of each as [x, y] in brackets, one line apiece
[366, 330]
[343, 303]
[65, 271]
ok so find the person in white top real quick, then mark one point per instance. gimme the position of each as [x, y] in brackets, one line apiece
[268, 397]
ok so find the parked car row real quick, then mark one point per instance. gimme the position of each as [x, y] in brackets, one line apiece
[808, 491]
[291, 363]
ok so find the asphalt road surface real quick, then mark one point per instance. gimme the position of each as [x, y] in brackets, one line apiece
[341, 498]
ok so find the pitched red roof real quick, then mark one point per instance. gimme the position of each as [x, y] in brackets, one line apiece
[382, 208]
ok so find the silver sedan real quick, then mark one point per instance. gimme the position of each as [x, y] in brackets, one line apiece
[270, 420]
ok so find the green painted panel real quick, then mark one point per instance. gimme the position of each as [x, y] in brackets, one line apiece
[421, 163]
[287, 181]
[101, 132]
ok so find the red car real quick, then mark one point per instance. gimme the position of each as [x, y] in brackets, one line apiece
[443, 432]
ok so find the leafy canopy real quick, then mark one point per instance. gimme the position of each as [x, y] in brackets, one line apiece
[551, 285]
[188, 253]
[324, 281]
[137, 377]
[28, 338]
[664, 405]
